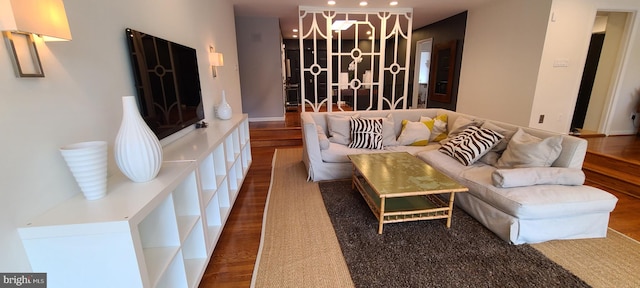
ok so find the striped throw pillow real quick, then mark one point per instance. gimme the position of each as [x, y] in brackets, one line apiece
[366, 133]
[471, 144]
[449, 147]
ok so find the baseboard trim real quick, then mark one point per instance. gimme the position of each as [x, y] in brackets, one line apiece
[265, 119]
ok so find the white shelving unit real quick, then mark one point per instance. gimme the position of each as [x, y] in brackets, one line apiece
[161, 233]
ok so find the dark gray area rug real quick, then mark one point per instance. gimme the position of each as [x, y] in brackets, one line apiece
[427, 254]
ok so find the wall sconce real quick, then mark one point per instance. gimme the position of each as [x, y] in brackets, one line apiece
[216, 60]
[20, 20]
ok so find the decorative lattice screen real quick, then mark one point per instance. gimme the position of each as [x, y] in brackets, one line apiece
[363, 67]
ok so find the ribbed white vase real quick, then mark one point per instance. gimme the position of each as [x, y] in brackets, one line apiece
[224, 109]
[88, 164]
[137, 149]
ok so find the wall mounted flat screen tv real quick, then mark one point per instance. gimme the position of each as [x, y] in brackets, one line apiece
[166, 81]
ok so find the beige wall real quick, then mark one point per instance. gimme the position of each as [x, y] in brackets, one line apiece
[502, 49]
[80, 97]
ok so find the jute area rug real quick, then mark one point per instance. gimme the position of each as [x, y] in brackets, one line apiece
[299, 247]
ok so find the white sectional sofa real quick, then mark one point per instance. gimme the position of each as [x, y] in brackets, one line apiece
[520, 205]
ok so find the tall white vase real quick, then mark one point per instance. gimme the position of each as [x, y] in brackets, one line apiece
[88, 164]
[137, 150]
[224, 109]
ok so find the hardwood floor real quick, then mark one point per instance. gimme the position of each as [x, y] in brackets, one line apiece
[233, 260]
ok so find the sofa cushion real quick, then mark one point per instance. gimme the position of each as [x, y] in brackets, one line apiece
[366, 133]
[531, 202]
[526, 150]
[537, 201]
[414, 133]
[339, 128]
[520, 177]
[337, 153]
[413, 150]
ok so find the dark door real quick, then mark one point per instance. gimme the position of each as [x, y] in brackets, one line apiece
[588, 76]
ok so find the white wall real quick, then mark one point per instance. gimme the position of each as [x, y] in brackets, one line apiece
[502, 49]
[507, 65]
[568, 37]
[80, 97]
[259, 50]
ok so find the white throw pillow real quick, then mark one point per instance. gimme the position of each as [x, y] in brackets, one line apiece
[526, 150]
[438, 127]
[461, 123]
[519, 177]
[339, 128]
[414, 134]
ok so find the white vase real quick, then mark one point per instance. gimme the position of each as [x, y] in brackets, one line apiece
[224, 109]
[88, 164]
[137, 150]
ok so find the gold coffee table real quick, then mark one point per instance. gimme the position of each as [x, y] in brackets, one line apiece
[399, 187]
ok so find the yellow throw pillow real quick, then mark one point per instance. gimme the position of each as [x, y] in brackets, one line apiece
[438, 127]
[414, 133]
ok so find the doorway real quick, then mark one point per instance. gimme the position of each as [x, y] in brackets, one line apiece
[598, 79]
[421, 73]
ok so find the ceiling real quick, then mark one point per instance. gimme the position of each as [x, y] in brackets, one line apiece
[425, 12]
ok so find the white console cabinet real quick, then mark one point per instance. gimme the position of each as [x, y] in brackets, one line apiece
[161, 233]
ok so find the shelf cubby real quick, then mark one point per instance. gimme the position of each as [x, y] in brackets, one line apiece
[214, 221]
[160, 233]
[225, 201]
[220, 164]
[208, 173]
[194, 252]
[176, 276]
[228, 147]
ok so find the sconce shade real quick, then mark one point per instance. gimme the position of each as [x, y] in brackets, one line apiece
[216, 59]
[46, 18]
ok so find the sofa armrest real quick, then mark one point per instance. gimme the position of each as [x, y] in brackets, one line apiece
[310, 143]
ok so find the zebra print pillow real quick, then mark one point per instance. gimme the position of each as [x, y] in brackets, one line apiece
[471, 144]
[366, 133]
[449, 147]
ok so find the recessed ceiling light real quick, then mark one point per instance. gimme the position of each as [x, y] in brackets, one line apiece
[363, 3]
[369, 32]
[393, 3]
[331, 2]
[295, 35]
[295, 30]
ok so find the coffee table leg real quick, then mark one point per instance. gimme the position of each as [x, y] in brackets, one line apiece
[450, 209]
[381, 217]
